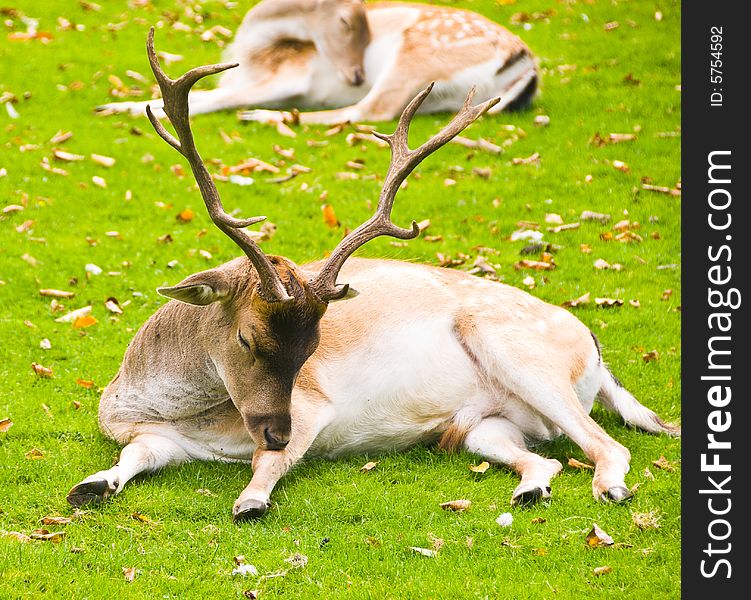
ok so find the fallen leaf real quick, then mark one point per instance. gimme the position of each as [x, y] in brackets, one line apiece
[537, 265]
[56, 520]
[566, 227]
[621, 166]
[43, 535]
[5, 425]
[99, 181]
[329, 216]
[572, 462]
[608, 302]
[542, 120]
[21, 537]
[67, 156]
[424, 551]
[84, 321]
[456, 505]
[597, 538]
[529, 160]
[113, 306]
[650, 356]
[297, 560]
[538, 520]
[105, 161]
[34, 454]
[478, 144]
[85, 383]
[50, 293]
[664, 464]
[602, 570]
[129, 573]
[540, 551]
[185, 216]
[554, 219]
[644, 521]
[252, 594]
[142, 518]
[481, 468]
[588, 215]
[601, 264]
[368, 466]
[42, 371]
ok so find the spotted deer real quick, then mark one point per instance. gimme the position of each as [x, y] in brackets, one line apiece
[362, 61]
[254, 361]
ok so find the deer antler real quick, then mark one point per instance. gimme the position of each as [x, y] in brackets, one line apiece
[175, 96]
[403, 161]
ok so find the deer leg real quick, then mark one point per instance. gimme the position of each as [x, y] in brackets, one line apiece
[500, 441]
[147, 452]
[551, 393]
[236, 95]
[309, 417]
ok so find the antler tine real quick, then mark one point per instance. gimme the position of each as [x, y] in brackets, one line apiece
[403, 162]
[175, 98]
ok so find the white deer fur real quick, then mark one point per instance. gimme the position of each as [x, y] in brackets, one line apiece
[421, 355]
[294, 54]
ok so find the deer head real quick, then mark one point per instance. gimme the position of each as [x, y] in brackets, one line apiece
[265, 310]
[340, 32]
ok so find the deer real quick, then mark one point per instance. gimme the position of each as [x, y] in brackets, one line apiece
[364, 62]
[265, 362]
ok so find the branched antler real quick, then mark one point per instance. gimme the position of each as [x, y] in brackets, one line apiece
[175, 96]
[403, 161]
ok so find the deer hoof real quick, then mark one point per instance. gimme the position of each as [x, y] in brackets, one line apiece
[250, 510]
[530, 495]
[90, 492]
[617, 493]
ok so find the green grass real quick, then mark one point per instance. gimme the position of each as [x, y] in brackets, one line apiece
[371, 519]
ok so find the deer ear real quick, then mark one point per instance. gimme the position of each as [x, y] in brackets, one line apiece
[199, 289]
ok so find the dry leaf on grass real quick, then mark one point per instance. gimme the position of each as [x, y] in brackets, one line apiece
[456, 505]
[368, 466]
[583, 299]
[297, 560]
[129, 573]
[597, 538]
[46, 536]
[73, 315]
[505, 519]
[5, 425]
[649, 520]
[41, 370]
[185, 216]
[424, 551]
[602, 570]
[84, 322]
[576, 464]
[21, 537]
[481, 468]
[34, 454]
[329, 216]
[664, 464]
[56, 520]
[51, 293]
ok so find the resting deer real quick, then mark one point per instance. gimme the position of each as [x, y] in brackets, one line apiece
[364, 61]
[254, 361]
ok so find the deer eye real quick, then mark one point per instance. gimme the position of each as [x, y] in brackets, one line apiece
[243, 342]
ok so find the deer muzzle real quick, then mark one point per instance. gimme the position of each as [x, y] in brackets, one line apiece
[271, 432]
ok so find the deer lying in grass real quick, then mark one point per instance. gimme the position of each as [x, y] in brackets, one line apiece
[364, 61]
[253, 360]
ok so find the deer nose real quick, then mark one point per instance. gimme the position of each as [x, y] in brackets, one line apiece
[358, 76]
[274, 441]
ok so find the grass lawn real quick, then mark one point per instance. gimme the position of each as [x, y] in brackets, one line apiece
[607, 68]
